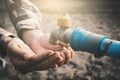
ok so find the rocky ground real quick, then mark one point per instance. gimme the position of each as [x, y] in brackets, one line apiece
[83, 66]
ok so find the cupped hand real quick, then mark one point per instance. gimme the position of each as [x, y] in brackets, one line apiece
[25, 60]
[39, 43]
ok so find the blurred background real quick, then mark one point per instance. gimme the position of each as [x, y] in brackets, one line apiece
[98, 16]
[82, 6]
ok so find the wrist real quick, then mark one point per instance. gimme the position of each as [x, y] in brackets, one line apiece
[24, 32]
[30, 34]
[4, 43]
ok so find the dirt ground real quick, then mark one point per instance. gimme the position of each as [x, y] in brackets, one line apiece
[83, 66]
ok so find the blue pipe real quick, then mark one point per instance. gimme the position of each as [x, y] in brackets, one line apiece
[82, 40]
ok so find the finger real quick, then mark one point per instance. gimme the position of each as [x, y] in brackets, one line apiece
[42, 56]
[71, 51]
[41, 53]
[36, 59]
[62, 44]
[46, 64]
[63, 56]
[56, 61]
[67, 55]
[54, 66]
[24, 55]
[54, 47]
[22, 65]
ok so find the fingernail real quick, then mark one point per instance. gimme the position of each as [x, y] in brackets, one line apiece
[51, 52]
[64, 48]
[60, 59]
[57, 53]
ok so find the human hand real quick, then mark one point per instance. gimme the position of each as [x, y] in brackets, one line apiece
[25, 60]
[40, 43]
[67, 50]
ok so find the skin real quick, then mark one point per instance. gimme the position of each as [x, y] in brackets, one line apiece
[25, 60]
[36, 39]
[36, 53]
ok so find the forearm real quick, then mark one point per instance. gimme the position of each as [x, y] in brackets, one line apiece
[24, 15]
